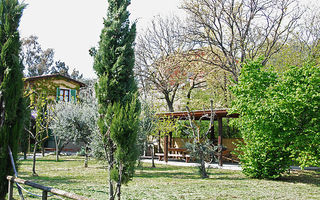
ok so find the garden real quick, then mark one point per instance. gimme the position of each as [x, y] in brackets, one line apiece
[168, 182]
[234, 82]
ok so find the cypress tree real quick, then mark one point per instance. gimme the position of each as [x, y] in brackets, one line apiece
[116, 91]
[11, 87]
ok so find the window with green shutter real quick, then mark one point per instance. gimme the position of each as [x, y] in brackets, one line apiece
[58, 94]
[73, 96]
[66, 95]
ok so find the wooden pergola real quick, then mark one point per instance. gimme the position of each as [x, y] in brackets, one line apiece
[204, 115]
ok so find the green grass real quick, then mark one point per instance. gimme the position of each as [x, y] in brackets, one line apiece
[167, 182]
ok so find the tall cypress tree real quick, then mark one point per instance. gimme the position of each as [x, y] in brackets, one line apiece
[11, 87]
[116, 92]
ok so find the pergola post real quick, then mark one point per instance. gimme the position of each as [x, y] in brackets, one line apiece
[170, 140]
[220, 140]
[165, 146]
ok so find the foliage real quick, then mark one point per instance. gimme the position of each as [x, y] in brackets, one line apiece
[60, 68]
[279, 116]
[47, 86]
[37, 60]
[116, 92]
[123, 131]
[11, 87]
[41, 62]
[165, 125]
[24, 139]
[63, 69]
[74, 122]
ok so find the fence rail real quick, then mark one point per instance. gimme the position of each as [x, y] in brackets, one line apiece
[45, 190]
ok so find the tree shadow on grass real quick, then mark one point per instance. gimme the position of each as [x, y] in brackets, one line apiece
[162, 174]
[185, 173]
[49, 181]
[29, 161]
[302, 176]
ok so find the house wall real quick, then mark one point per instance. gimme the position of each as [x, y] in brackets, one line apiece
[50, 85]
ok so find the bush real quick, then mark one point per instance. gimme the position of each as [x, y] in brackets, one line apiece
[279, 120]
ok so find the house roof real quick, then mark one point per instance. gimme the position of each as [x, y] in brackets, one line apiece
[54, 76]
[197, 114]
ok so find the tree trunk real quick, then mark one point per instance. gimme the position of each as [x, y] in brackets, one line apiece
[203, 171]
[110, 158]
[119, 181]
[57, 147]
[25, 154]
[170, 106]
[153, 151]
[111, 197]
[86, 158]
[169, 102]
[34, 160]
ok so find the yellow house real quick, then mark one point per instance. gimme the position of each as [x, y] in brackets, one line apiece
[55, 86]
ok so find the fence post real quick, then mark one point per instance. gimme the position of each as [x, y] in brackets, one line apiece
[44, 195]
[10, 190]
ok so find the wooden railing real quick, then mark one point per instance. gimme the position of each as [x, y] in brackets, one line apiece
[45, 190]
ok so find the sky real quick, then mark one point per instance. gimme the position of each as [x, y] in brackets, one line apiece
[72, 27]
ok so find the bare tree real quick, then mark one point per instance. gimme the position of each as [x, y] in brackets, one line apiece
[39, 131]
[236, 30]
[308, 34]
[200, 147]
[160, 59]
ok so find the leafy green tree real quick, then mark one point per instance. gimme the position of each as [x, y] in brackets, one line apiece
[116, 92]
[11, 87]
[279, 118]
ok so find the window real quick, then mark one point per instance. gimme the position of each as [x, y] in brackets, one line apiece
[66, 95]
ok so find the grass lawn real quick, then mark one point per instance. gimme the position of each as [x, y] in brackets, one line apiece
[167, 182]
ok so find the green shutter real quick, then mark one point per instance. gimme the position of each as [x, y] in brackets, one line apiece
[58, 94]
[73, 95]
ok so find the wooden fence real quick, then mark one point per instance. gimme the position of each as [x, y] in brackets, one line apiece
[45, 190]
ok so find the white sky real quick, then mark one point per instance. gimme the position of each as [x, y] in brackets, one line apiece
[72, 27]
